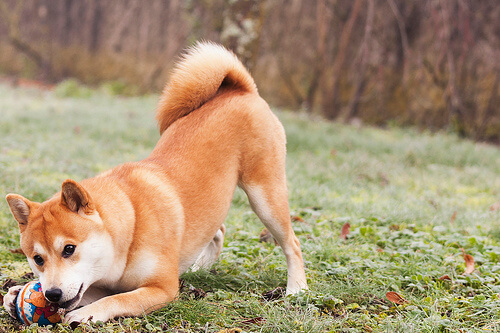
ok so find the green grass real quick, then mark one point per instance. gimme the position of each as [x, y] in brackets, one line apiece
[398, 189]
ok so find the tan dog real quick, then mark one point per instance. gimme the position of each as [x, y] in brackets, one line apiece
[117, 243]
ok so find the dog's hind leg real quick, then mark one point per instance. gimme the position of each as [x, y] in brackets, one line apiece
[211, 252]
[269, 200]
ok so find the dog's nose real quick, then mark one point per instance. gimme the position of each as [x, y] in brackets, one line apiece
[54, 295]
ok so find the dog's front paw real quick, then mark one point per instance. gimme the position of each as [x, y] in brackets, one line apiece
[9, 300]
[83, 316]
[77, 317]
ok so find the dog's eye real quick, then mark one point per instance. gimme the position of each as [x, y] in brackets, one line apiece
[68, 250]
[38, 260]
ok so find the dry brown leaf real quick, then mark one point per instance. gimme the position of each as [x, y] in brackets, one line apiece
[9, 283]
[28, 276]
[274, 294]
[495, 206]
[345, 230]
[266, 237]
[197, 293]
[20, 251]
[445, 277]
[394, 297]
[469, 263]
[453, 217]
[384, 180]
[297, 218]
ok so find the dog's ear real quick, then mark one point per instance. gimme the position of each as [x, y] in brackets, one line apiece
[75, 197]
[20, 208]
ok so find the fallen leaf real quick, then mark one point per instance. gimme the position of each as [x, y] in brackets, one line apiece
[396, 298]
[19, 250]
[495, 206]
[1, 299]
[266, 237]
[274, 294]
[445, 277]
[453, 217]
[469, 263]
[345, 230]
[384, 180]
[197, 293]
[9, 283]
[297, 218]
[28, 276]
[433, 203]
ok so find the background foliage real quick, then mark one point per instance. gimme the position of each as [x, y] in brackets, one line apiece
[429, 63]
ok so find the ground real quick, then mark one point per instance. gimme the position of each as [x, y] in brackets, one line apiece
[416, 203]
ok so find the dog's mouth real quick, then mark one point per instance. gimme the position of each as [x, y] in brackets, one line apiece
[72, 303]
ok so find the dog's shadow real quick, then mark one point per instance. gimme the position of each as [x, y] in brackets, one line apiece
[210, 280]
[203, 281]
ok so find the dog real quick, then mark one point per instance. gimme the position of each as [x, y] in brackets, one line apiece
[114, 245]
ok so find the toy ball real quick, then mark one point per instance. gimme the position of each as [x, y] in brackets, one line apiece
[33, 307]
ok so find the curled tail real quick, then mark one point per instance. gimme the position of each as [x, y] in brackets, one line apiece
[197, 77]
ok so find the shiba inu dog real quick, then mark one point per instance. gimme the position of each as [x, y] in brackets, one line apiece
[115, 245]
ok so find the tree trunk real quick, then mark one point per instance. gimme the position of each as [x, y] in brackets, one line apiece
[330, 101]
[323, 18]
[360, 82]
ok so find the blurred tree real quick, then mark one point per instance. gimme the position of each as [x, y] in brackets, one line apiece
[429, 63]
[323, 20]
[12, 15]
[331, 105]
[361, 64]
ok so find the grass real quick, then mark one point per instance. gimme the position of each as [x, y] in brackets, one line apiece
[413, 201]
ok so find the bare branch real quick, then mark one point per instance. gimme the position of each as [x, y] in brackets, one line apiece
[364, 51]
[404, 37]
[330, 93]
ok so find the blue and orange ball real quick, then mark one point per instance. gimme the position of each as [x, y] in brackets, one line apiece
[33, 307]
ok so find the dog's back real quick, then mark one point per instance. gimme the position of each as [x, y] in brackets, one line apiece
[217, 132]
